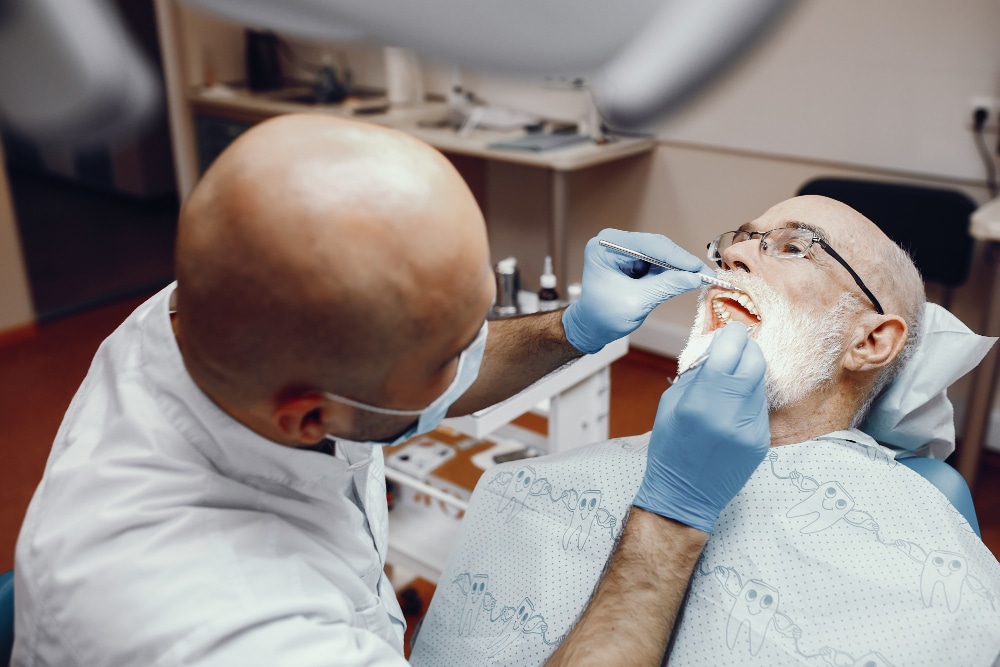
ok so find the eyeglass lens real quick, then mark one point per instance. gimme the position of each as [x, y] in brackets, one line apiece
[782, 242]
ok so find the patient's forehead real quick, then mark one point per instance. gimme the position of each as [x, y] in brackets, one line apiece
[834, 221]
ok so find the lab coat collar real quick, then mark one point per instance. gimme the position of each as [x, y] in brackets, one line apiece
[235, 449]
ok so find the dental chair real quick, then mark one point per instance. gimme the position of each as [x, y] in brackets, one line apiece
[6, 616]
[932, 224]
[949, 482]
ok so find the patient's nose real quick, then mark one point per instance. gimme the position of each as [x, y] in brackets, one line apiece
[738, 256]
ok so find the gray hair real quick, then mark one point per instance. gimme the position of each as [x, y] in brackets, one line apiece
[899, 278]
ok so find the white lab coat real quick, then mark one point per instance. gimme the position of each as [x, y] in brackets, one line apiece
[166, 533]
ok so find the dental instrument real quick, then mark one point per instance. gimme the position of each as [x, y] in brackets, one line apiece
[710, 280]
[694, 364]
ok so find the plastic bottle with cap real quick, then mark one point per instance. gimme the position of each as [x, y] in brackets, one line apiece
[548, 297]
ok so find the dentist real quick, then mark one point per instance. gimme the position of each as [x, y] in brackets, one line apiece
[216, 493]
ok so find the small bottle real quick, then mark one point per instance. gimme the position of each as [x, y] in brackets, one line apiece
[328, 88]
[548, 297]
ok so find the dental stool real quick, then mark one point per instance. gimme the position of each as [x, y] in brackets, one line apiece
[6, 616]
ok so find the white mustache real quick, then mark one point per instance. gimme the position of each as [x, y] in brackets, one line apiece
[801, 349]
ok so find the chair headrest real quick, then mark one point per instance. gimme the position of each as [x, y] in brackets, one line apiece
[913, 415]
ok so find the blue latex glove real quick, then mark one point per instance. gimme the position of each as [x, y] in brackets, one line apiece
[710, 434]
[618, 292]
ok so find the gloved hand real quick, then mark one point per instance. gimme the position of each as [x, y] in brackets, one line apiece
[711, 432]
[618, 291]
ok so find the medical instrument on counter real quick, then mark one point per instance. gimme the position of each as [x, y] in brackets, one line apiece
[573, 292]
[508, 280]
[710, 280]
[517, 455]
[548, 297]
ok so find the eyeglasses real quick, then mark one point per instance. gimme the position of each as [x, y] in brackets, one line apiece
[785, 242]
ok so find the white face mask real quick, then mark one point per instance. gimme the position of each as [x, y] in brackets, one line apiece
[430, 417]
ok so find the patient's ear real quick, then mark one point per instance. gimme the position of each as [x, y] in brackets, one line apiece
[876, 343]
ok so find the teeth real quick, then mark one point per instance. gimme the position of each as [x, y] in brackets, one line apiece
[724, 314]
[721, 312]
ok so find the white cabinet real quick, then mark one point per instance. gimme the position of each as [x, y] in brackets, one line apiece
[426, 517]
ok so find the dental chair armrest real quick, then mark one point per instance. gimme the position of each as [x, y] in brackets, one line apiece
[949, 481]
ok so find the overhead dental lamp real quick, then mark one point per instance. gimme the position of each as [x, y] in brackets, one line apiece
[642, 58]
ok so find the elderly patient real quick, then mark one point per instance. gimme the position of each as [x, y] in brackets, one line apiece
[832, 554]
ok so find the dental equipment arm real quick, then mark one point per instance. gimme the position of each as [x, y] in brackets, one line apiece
[70, 74]
[644, 57]
[711, 432]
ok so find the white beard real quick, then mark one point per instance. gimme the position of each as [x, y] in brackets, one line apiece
[801, 351]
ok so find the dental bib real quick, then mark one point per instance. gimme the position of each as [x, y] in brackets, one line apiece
[832, 554]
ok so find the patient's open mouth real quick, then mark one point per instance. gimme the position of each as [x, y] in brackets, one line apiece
[729, 306]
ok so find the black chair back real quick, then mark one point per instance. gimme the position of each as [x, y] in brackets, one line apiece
[932, 224]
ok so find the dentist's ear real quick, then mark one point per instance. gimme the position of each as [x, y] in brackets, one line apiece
[877, 341]
[302, 419]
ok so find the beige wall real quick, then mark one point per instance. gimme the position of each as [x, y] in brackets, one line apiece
[15, 297]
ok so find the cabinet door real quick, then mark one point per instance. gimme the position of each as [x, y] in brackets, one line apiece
[213, 134]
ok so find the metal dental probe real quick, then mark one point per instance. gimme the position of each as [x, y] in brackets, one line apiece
[711, 280]
[694, 364]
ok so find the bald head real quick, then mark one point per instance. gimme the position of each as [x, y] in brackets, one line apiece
[886, 269]
[876, 345]
[324, 254]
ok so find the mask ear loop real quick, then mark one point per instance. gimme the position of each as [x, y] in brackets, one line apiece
[480, 338]
[370, 408]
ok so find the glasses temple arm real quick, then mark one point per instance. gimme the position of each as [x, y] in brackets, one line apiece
[833, 253]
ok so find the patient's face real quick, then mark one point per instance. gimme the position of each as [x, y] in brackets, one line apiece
[802, 349]
[799, 310]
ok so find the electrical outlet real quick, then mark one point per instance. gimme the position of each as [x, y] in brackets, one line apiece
[992, 106]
